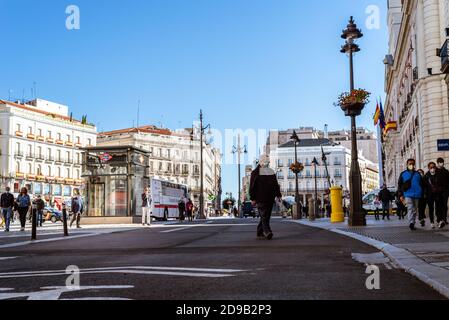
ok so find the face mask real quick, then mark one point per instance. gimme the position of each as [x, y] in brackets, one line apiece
[432, 172]
[411, 167]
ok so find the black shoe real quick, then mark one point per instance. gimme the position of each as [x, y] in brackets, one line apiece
[269, 236]
[412, 227]
[423, 223]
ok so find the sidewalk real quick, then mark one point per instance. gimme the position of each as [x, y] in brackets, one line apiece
[423, 253]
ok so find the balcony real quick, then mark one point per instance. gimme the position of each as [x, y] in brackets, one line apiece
[443, 54]
[30, 156]
[49, 159]
[40, 158]
[18, 154]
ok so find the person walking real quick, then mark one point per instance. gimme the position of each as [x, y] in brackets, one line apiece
[24, 203]
[401, 210]
[444, 174]
[77, 208]
[40, 205]
[264, 189]
[146, 207]
[6, 205]
[189, 210]
[422, 204]
[433, 186]
[385, 197]
[377, 205]
[410, 185]
[182, 209]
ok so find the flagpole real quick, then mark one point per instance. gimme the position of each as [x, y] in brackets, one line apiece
[380, 155]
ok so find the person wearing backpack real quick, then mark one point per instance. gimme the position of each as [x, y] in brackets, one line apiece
[40, 206]
[410, 186]
[6, 205]
[23, 203]
[77, 208]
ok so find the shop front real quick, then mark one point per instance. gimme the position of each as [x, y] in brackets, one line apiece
[115, 179]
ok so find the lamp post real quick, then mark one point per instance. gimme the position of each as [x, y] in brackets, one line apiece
[315, 165]
[356, 216]
[202, 130]
[239, 150]
[297, 168]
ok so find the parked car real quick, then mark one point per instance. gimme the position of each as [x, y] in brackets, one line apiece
[52, 214]
[248, 210]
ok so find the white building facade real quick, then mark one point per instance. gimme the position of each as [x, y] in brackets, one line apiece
[174, 157]
[417, 98]
[40, 148]
[338, 167]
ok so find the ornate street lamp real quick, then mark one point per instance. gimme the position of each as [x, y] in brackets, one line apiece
[239, 150]
[315, 165]
[297, 168]
[353, 108]
[202, 130]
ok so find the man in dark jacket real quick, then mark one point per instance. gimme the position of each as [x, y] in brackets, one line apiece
[410, 186]
[444, 173]
[6, 205]
[385, 197]
[264, 189]
[434, 194]
[40, 206]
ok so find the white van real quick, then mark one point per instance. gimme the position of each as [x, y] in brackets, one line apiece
[166, 196]
[368, 201]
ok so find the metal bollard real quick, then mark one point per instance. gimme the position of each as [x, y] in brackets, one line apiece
[33, 222]
[312, 204]
[64, 220]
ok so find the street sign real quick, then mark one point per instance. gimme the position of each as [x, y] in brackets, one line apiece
[105, 157]
[443, 145]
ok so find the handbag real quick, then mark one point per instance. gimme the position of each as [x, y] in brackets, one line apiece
[408, 184]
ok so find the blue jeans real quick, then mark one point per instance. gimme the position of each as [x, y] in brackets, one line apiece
[7, 213]
[39, 217]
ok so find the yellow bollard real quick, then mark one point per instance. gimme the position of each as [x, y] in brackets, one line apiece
[337, 205]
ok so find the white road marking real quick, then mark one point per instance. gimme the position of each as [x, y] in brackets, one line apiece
[54, 293]
[7, 258]
[177, 229]
[169, 271]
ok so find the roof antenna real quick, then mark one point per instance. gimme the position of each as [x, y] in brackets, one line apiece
[35, 92]
[138, 112]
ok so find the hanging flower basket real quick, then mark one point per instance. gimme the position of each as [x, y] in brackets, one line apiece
[297, 167]
[353, 103]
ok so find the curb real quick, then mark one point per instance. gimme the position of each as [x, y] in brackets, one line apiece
[404, 259]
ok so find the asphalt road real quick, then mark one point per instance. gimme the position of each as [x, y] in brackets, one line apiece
[214, 260]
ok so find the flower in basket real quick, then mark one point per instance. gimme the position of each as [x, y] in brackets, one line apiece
[297, 167]
[358, 96]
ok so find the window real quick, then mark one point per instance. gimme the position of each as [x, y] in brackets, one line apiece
[17, 166]
[39, 132]
[77, 174]
[89, 142]
[68, 155]
[30, 168]
[290, 162]
[18, 127]
[59, 172]
[49, 134]
[39, 152]
[49, 153]
[68, 173]
[18, 148]
[59, 155]
[280, 175]
[49, 171]
[30, 150]
[39, 170]
[30, 130]
[280, 163]
[69, 138]
[59, 136]
[78, 139]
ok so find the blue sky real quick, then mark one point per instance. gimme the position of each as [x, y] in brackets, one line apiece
[247, 63]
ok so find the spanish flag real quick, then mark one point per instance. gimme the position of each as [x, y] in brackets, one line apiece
[391, 125]
[377, 115]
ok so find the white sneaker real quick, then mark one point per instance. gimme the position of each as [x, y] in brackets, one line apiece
[432, 226]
